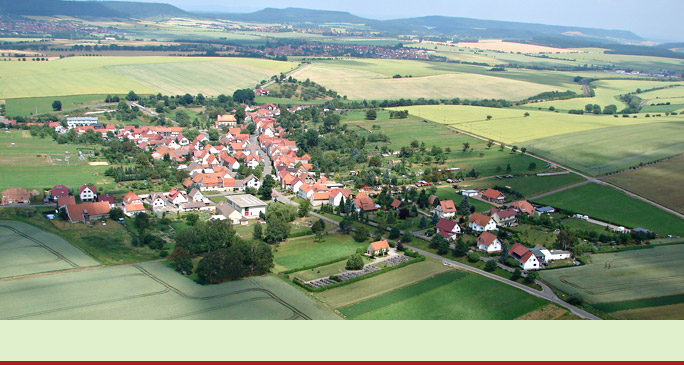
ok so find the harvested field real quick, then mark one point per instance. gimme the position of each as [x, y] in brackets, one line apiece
[549, 312]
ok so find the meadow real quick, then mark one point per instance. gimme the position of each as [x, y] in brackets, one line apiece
[152, 291]
[451, 295]
[144, 75]
[296, 253]
[530, 185]
[27, 106]
[26, 249]
[609, 205]
[661, 183]
[628, 280]
[39, 163]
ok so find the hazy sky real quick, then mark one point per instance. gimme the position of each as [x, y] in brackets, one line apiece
[661, 20]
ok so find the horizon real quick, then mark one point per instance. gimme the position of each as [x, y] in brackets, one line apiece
[661, 25]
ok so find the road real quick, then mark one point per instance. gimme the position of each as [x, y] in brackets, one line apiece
[268, 165]
[271, 82]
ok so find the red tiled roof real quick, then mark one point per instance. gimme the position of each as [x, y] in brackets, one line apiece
[524, 207]
[520, 252]
[479, 219]
[396, 203]
[492, 193]
[446, 225]
[76, 211]
[486, 239]
[448, 206]
[84, 186]
[506, 213]
[379, 245]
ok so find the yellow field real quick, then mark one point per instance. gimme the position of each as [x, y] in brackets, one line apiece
[499, 45]
[359, 84]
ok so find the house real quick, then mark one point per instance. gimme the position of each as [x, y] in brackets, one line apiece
[228, 120]
[446, 209]
[547, 210]
[225, 211]
[157, 201]
[545, 256]
[16, 196]
[448, 228]
[396, 204]
[177, 197]
[336, 196]
[58, 191]
[523, 206]
[63, 201]
[108, 198]
[195, 195]
[505, 218]
[249, 182]
[305, 191]
[87, 193]
[248, 205]
[481, 223]
[320, 198]
[365, 203]
[489, 243]
[494, 196]
[87, 212]
[433, 200]
[194, 206]
[132, 204]
[378, 247]
[526, 258]
[470, 193]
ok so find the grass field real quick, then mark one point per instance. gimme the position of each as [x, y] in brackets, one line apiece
[661, 183]
[296, 253]
[26, 249]
[37, 163]
[530, 185]
[452, 295]
[326, 270]
[27, 106]
[144, 75]
[607, 204]
[152, 291]
[626, 280]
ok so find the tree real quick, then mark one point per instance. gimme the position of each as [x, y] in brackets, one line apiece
[466, 146]
[304, 208]
[464, 206]
[180, 259]
[517, 274]
[461, 248]
[423, 222]
[532, 166]
[490, 143]
[346, 224]
[318, 226]
[355, 262]
[267, 187]
[210, 268]
[371, 114]
[285, 211]
[277, 229]
[258, 232]
[131, 96]
[192, 218]
[489, 117]
[531, 277]
[566, 239]
[56, 105]
[394, 233]
[142, 221]
[361, 234]
[490, 265]
[244, 96]
[116, 213]
[508, 168]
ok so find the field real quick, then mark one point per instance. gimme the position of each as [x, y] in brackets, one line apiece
[26, 249]
[451, 295]
[530, 185]
[629, 280]
[373, 79]
[499, 45]
[37, 163]
[296, 253]
[609, 205]
[592, 144]
[661, 183]
[144, 75]
[152, 291]
[26, 106]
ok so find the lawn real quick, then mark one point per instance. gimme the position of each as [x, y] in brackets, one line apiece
[661, 183]
[625, 280]
[296, 253]
[38, 163]
[27, 106]
[607, 204]
[144, 75]
[452, 295]
[530, 185]
[326, 270]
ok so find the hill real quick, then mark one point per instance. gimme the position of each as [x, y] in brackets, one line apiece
[89, 9]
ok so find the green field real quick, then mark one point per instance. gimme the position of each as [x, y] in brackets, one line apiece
[625, 280]
[144, 75]
[296, 253]
[452, 295]
[661, 183]
[609, 205]
[152, 291]
[25, 249]
[37, 163]
[530, 185]
[326, 270]
[27, 106]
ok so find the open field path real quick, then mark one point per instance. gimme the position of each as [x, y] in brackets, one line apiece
[271, 82]
[558, 190]
[77, 269]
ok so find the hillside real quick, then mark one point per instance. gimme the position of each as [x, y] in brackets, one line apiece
[88, 9]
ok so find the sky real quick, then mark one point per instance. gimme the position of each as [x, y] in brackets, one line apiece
[659, 20]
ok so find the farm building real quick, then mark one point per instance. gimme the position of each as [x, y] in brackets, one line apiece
[247, 205]
[481, 223]
[446, 209]
[448, 228]
[494, 196]
[526, 258]
[63, 201]
[87, 193]
[378, 247]
[73, 122]
[547, 210]
[87, 212]
[488, 243]
[16, 196]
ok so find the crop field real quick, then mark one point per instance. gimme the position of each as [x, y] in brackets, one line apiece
[592, 144]
[37, 163]
[296, 253]
[144, 75]
[25, 249]
[609, 205]
[499, 45]
[152, 291]
[625, 280]
[530, 185]
[26, 106]
[661, 183]
[451, 295]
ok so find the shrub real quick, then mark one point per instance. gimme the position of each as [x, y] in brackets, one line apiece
[575, 299]
[473, 257]
[517, 274]
[490, 265]
[355, 262]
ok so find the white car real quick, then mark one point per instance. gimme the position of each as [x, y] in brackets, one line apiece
[446, 263]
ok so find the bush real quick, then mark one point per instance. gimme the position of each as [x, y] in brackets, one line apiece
[575, 299]
[531, 277]
[511, 262]
[517, 274]
[474, 257]
[361, 234]
[490, 265]
[355, 262]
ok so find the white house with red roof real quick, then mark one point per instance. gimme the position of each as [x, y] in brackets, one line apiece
[87, 193]
[480, 223]
[377, 248]
[526, 258]
[448, 228]
[523, 206]
[494, 196]
[446, 209]
[489, 243]
[336, 195]
[132, 204]
[157, 201]
[505, 218]
[177, 197]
